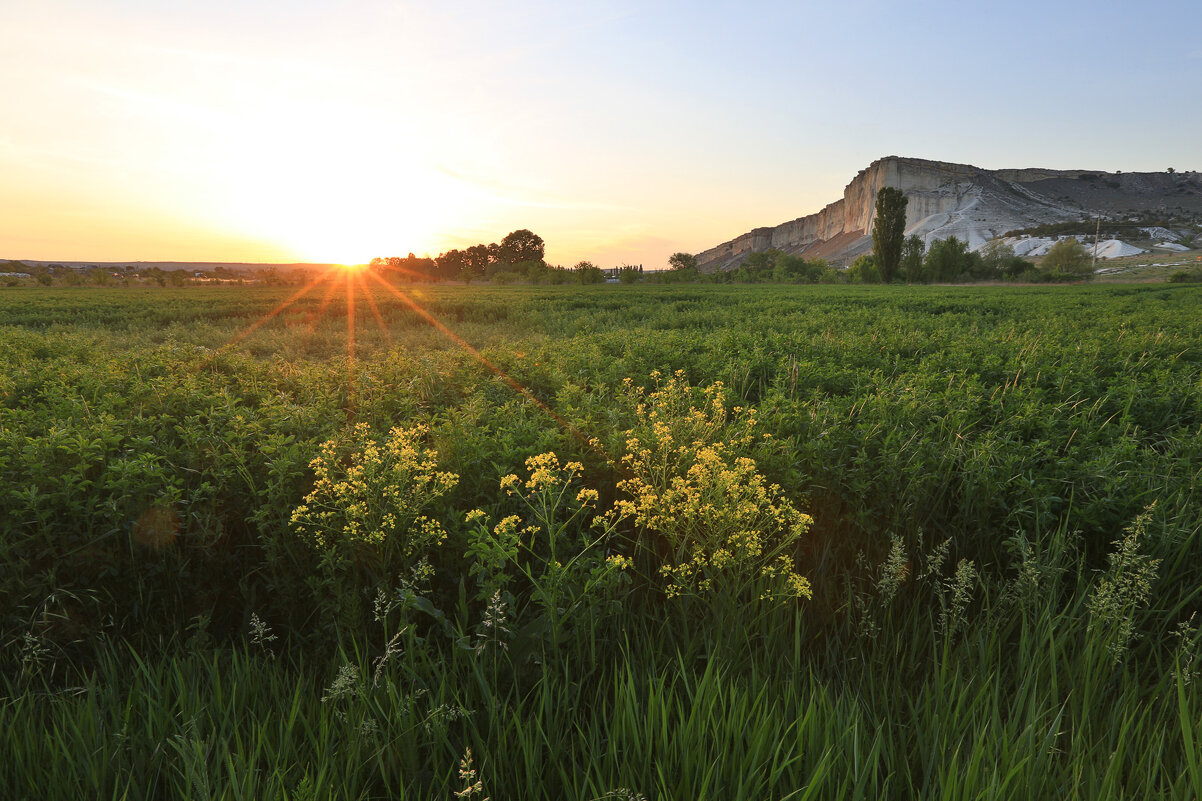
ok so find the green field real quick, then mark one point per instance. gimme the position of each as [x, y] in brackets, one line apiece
[794, 542]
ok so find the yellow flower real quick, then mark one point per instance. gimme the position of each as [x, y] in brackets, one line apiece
[619, 562]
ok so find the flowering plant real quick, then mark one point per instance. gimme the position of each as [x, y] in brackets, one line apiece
[366, 515]
[559, 554]
[714, 525]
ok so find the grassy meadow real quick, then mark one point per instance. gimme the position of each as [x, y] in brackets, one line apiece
[608, 542]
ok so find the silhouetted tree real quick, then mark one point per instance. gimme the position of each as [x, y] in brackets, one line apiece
[452, 265]
[682, 261]
[588, 273]
[521, 245]
[476, 259]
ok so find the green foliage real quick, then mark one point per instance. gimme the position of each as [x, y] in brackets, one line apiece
[1127, 229]
[911, 259]
[997, 256]
[1123, 590]
[948, 260]
[365, 516]
[628, 274]
[686, 262]
[864, 270]
[767, 266]
[1186, 276]
[588, 273]
[555, 563]
[889, 232]
[970, 458]
[518, 256]
[1068, 258]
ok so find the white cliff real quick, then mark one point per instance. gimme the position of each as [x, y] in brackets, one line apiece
[945, 200]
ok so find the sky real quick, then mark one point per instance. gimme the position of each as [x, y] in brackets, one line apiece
[620, 132]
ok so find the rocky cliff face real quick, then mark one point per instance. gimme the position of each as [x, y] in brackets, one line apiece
[958, 200]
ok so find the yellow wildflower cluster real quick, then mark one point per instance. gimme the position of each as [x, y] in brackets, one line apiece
[679, 422]
[545, 472]
[375, 494]
[561, 545]
[619, 562]
[717, 526]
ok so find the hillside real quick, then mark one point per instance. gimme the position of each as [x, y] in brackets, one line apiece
[967, 202]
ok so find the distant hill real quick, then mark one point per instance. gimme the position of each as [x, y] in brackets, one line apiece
[967, 202]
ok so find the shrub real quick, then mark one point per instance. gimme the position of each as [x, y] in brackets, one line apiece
[1185, 277]
[864, 270]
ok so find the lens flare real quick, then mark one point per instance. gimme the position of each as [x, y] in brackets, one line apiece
[353, 280]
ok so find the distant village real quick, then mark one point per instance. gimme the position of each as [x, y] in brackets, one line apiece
[14, 273]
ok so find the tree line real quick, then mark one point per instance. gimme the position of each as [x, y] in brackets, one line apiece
[896, 257]
[517, 257]
[519, 254]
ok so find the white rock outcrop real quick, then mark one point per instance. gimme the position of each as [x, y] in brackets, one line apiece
[1035, 246]
[945, 200]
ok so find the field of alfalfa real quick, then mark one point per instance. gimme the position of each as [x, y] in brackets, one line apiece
[694, 542]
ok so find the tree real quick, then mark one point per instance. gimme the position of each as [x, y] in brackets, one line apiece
[682, 261]
[911, 258]
[790, 269]
[996, 257]
[947, 259]
[1068, 257]
[521, 245]
[888, 231]
[588, 273]
[475, 260]
[998, 260]
[452, 265]
[758, 266]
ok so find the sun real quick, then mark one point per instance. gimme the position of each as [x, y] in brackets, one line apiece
[322, 196]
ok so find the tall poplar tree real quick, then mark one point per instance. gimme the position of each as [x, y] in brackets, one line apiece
[889, 231]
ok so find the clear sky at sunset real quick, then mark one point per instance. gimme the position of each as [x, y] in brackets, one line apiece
[621, 132]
